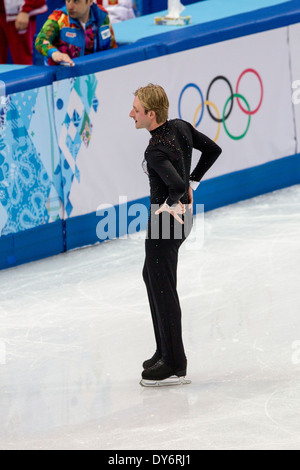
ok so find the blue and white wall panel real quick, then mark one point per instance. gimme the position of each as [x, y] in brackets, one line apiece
[30, 177]
[68, 146]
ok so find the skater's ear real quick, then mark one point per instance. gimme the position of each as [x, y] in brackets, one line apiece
[152, 114]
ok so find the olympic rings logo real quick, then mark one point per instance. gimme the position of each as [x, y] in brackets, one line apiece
[228, 107]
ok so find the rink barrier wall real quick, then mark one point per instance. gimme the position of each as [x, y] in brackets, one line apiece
[32, 244]
[156, 46]
[62, 235]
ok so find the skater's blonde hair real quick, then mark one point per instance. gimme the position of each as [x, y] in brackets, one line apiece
[154, 98]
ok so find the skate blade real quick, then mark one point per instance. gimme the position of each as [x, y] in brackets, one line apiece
[174, 380]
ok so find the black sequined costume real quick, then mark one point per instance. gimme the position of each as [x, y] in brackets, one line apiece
[168, 159]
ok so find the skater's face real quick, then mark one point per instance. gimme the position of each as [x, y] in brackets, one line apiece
[142, 119]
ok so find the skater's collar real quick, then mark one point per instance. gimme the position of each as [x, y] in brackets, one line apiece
[159, 128]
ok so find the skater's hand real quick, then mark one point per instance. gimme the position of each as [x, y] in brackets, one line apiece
[175, 211]
[191, 198]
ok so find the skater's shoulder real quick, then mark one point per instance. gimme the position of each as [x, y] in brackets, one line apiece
[181, 124]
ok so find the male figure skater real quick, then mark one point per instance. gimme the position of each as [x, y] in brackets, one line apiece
[168, 161]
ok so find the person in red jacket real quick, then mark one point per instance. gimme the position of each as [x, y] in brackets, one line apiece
[17, 29]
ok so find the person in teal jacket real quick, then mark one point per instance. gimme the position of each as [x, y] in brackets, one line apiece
[79, 28]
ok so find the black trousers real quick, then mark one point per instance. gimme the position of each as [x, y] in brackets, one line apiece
[160, 276]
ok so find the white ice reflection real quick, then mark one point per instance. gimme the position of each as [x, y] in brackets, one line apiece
[75, 329]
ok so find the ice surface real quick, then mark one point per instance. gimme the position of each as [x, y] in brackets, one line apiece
[75, 329]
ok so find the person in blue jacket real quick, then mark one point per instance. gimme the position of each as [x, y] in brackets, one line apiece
[79, 28]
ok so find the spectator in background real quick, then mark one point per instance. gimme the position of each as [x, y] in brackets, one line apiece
[17, 29]
[79, 28]
[118, 10]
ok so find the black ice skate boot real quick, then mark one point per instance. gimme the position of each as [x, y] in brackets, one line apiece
[161, 374]
[159, 371]
[150, 362]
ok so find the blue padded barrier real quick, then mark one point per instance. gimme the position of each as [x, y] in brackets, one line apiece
[109, 59]
[32, 244]
[228, 28]
[27, 78]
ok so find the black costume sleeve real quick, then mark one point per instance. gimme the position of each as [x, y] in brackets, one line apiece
[166, 171]
[210, 152]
